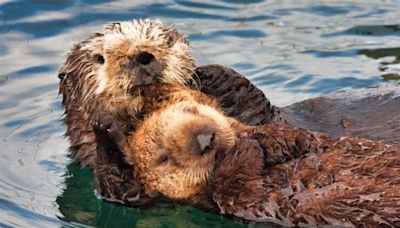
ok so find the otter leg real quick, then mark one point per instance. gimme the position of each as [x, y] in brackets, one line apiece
[116, 180]
[110, 168]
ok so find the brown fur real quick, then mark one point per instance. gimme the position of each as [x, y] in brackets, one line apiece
[235, 94]
[272, 173]
[105, 70]
[122, 98]
[101, 74]
[104, 73]
[160, 142]
[113, 175]
[115, 180]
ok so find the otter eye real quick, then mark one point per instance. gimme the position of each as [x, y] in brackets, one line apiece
[163, 159]
[99, 59]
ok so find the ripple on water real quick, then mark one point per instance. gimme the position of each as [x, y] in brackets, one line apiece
[322, 10]
[369, 30]
[243, 33]
[27, 218]
[32, 71]
[242, 2]
[331, 84]
[202, 5]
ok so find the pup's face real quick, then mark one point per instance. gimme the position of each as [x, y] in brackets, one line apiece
[127, 55]
[176, 149]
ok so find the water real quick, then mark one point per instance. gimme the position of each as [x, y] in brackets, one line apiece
[293, 50]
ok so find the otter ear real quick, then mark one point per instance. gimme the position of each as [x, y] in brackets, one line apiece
[113, 27]
[62, 75]
[174, 36]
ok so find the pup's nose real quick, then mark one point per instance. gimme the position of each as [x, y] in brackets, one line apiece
[144, 58]
[205, 142]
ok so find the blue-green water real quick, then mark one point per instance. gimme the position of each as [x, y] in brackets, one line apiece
[293, 50]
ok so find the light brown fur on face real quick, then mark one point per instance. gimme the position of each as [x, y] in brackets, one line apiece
[176, 148]
[109, 67]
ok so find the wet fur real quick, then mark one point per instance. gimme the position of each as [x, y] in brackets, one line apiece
[112, 173]
[307, 178]
[108, 85]
[276, 173]
[117, 181]
[88, 87]
[99, 75]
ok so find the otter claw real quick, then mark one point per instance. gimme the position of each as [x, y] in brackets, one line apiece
[101, 121]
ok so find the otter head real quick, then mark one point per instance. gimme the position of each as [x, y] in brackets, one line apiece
[176, 149]
[109, 67]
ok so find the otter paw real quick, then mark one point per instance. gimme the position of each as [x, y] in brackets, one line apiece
[109, 134]
[101, 121]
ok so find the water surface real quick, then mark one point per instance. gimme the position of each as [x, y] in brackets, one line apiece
[292, 50]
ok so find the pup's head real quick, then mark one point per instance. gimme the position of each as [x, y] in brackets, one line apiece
[176, 149]
[114, 63]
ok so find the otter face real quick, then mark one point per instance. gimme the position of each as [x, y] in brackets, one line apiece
[177, 149]
[114, 64]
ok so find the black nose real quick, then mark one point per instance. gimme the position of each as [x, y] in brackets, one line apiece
[144, 58]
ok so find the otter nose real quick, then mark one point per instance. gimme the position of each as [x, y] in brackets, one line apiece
[144, 58]
[205, 142]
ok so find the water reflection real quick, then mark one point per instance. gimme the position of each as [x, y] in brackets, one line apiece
[79, 204]
[390, 68]
[246, 33]
[292, 50]
[370, 30]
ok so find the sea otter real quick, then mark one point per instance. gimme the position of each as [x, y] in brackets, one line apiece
[116, 180]
[191, 151]
[105, 72]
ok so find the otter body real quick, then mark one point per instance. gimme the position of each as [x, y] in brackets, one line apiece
[295, 177]
[105, 73]
[191, 151]
[117, 180]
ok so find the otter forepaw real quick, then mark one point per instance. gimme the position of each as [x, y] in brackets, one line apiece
[101, 121]
[106, 126]
[110, 136]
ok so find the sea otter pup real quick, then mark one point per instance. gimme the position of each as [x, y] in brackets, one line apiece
[191, 151]
[116, 180]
